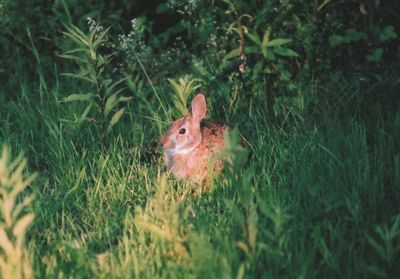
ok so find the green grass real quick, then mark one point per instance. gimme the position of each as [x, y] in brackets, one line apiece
[315, 200]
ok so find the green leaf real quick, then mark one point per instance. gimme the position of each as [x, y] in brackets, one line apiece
[252, 50]
[77, 97]
[100, 38]
[75, 51]
[287, 52]
[112, 101]
[76, 35]
[236, 29]
[352, 35]
[81, 75]
[266, 38]
[387, 34]
[255, 38]
[77, 59]
[75, 39]
[110, 104]
[78, 32]
[162, 8]
[115, 119]
[232, 54]
[85, 113]
[124, 99]
[241, 272]
[110, 88]
[230, 4]
[265, 52]
[375, 56]
[379, 249]
[277, 42]
[270, 56]
[335, 40]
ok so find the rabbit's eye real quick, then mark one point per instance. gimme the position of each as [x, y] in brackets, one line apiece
[182, 131]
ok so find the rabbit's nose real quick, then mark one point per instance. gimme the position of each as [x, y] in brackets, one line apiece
[164, 141]
[167, 143]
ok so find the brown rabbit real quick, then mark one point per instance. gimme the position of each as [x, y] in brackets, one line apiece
[189, 149]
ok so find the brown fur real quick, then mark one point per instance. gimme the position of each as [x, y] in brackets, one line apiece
[191, 156]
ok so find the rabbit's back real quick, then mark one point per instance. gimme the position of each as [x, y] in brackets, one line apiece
[213, 133]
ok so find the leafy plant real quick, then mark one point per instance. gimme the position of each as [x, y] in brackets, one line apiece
[267, 48]
[183, 88]
[241, 30]
[162, 219]
[386, 245]
[106, 93]
[243, 208]
[267, 55]
[270, 48]
[14, 258]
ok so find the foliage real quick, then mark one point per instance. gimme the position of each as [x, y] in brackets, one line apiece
[106, 96]
[15, 259]
[312, 86]
[162, 219]
[183, 89]
[387, 247]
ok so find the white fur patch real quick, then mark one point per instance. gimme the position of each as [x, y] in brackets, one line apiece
[180, 151]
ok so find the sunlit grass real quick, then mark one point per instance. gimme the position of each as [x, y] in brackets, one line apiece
[316, 201]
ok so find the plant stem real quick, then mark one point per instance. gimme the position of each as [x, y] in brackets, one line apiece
[151, 83]
[101, 98]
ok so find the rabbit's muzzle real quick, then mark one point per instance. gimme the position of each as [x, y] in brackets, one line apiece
[167, 143]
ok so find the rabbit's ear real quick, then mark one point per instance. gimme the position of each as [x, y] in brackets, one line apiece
[199, 107]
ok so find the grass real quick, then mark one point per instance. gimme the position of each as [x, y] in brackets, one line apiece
[314, 201]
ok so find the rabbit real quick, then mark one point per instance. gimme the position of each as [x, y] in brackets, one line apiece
[189, 150]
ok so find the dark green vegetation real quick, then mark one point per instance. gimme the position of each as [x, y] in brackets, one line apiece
[313, 86]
